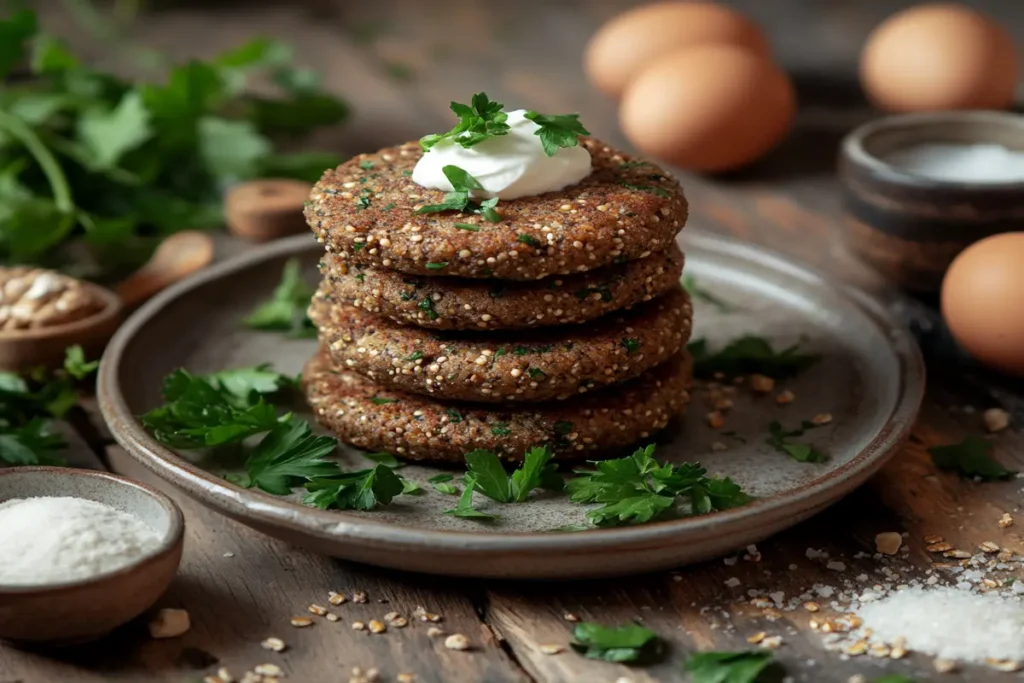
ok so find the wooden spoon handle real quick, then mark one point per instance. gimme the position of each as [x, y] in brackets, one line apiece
[176, 258]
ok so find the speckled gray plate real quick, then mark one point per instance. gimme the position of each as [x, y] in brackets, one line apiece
[871, 379]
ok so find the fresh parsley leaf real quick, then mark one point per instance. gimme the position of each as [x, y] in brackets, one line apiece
[464, 508]
[76, 365]
[289, 455]
[467, 226]
[427, 306]
[749, 355]
[728, 667]
[247, 384]
[454, 416]
[529, 240]
[438, 265]
[109, 134]
[385, 459]
[442, 484]
[366, 164]
[626, 643]
[31, 444]
[414, 356]
[478, 121]
[489, 475]
[491, 479]
[972, 457]
[557, 131]
[362, 490]
[631, 345]
[638, 489]
[463, 184]
[779, 439]
[500, 429]
[698, 292]
[381, 401]
[286, 311]
[15, 33]
[649, 189]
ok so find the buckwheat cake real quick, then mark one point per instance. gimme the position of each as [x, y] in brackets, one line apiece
[466, 304]
[424, 428]
[495, 367]
[365, 212]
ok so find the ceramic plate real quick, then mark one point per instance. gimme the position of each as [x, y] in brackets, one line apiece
[870, 378]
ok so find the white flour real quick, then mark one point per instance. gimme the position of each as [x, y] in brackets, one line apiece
[53, 540]
[977, 163]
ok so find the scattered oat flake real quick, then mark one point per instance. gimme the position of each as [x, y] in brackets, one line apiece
[996, 419]
[435, 632]
[989, 547]
[358, 626]
[335, 598]
[269, 670]
[1006, 520]
[888, 542]
[785, 397]
[836, 566]
[732, 582]
[811, 606]
[301, 622]
[456, 641]
[406, 678]
[274, 644]
[317, 610]
[377, 626]
[569, 616]
[772, 642]
[169, 623]
[756, 638]
[552, 649]
[939, 547]
[225, 675]
[229, 554]
[762, 384]
[331, 616]
[1007, 665]
[359, 596]
[821, 419]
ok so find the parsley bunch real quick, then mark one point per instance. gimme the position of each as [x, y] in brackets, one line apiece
[487, 475]
[484, 118]
[28, 403]
[91, 158]
[748, 355]
[637, 489]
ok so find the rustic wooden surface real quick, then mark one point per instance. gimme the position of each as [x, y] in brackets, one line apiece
[399, 63]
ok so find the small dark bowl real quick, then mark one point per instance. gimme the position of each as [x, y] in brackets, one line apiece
[911, 227]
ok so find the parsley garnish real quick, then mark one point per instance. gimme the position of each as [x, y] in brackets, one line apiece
[748, 355]
[357, 246]
[478, 121]
[288, 455]
[360, 277]
[390, 206]
[728, 667]
[454, 416]
[415, 355]
[286, 309]
[626, 643]
[467, 226]
[529, 239]
[464, 508]
[638, 489]
[520, 350]
[442, 484]
[361, 490]
[104, 163]
[972, 457]
[650, 189]
[437, 265]
[634, 164]
[488, 476]
[557, 130]
[631, 345]
[366, 164]
[363, 201]
[536, 373]
[383, 458]
[801, 452]
[500, 352]
[427, 305]
[459, 198]
[76, 365]
[500, 429]
[697, 292]
[381, 401]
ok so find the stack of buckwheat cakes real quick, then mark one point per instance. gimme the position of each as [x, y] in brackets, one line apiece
[563, 324]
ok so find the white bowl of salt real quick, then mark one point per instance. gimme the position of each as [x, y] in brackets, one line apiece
[81, 552]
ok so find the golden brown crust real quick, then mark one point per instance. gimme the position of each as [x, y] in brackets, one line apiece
[463, 304]
[365, 211]
[422, 428]
[498, 367]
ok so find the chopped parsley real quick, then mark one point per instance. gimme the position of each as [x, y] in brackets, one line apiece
[427, 305]
[366, 164]
[650, 189]
[972, 457]
[454, 416]
[631, 345]
[557, 130]
[748, 355]
[529, 240]
[286, 311]
[479, 120]
[500, 352]
[468, 226]
[638, 489]
[389, 207]
[459, 198]
[358, 246]
[536, 374]
[381, 401]
[779, 439]
[363, 202]
[437, 265]
[407, 173]
[360, 277]
[730, 667]
[383, 458]
[487, 476]
[500, 429]
[626, 643]
[520, 350]
[442, 483]
[415, 355]
[361, 490]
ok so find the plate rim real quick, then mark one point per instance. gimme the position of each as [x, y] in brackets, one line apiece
[338, 526]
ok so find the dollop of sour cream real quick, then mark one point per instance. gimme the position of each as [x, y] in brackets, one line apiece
[508, 166]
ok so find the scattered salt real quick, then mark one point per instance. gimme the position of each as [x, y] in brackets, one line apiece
[732, 582]
[949, 623]
[977, 163]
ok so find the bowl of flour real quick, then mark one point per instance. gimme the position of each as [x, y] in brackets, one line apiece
[82, 552]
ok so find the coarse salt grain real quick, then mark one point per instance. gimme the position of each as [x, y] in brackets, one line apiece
[950, 623]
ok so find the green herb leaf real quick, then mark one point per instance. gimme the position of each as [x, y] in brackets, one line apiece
[442, 484]
[489, 475]
[698, 292]
[779, 439]
[361, 490]
[631, 345]
[626, 643]
[530, 240]
[414, 356]
[638, 489]
[454, 416]
[289, 455]
[972, 457]
[31, 444]
[500, 429]
[108, 135]
[467, 226]
[478, 121]
[15, 32]
[440, 265]
[381, 401]
[749, 355]
[248, 384]
[464, 508]
[557, 131]
[385, 459]
[649, 189]
[427, 305]
[728, 667]
[286, 309]
[76, 365]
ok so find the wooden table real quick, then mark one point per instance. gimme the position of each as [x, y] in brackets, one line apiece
[400, 63]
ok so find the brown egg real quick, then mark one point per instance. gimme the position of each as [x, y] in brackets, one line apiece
[627, 44]
[983, 301]
[708, 108]
[937, 57]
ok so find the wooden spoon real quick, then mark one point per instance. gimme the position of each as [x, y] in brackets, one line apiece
[177, 257]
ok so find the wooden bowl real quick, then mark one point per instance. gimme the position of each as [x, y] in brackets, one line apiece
[22, 350]
[86, 609]
[911, 227]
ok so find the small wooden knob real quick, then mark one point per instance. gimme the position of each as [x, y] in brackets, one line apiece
[262, 210]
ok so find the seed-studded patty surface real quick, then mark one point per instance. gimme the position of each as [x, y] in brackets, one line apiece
[464, 304]
[495, 367]
[365, 211]
[424, 428]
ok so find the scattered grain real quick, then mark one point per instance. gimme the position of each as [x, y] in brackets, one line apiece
[456, 641]
[274, 644]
